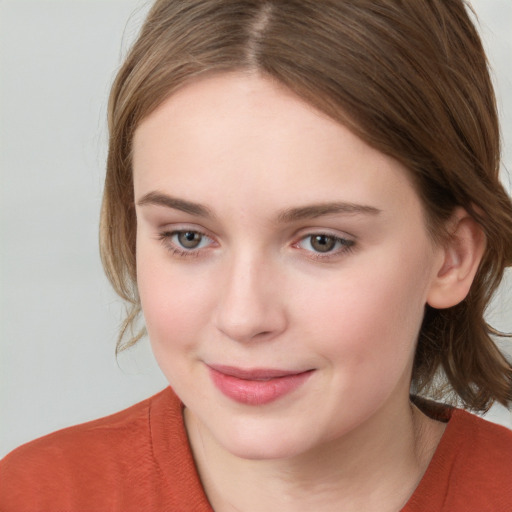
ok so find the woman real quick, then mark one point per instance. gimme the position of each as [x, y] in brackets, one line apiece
[303, 200]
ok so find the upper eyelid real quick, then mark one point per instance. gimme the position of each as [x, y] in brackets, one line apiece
[184, 227]
[335, 233]
[348, 240]
[172, 232]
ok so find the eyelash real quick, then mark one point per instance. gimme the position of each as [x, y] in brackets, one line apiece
[347, 245]
[166, 238]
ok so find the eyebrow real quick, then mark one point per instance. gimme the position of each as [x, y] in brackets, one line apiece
[318, 210]
[286, 216]
[159, 199]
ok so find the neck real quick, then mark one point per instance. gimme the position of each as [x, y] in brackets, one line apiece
[375, 467]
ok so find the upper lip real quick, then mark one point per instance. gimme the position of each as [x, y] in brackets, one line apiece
[254, 373]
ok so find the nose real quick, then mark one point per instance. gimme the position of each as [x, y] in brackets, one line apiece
[251, 305]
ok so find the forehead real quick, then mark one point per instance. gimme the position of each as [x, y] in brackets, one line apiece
[244, 136]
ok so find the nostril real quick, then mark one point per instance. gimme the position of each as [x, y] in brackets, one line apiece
[263, 334]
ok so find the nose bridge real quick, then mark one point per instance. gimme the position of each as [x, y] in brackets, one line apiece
[250, 305]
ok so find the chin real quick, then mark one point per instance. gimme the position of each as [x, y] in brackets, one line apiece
[257, 450]
[265, 441]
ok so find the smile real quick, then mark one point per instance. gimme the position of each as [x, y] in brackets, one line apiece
[256, 386]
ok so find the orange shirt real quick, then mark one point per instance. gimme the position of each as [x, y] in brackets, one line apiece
[139, 460]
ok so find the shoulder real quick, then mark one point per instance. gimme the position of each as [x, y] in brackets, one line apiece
[112, 429]
[470, 470]
[485, 447]
[481, 465]
[74, 460]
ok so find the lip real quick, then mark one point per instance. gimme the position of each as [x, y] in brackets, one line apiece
[257, 386]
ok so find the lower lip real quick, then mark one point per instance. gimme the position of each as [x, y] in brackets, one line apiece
[257, 392]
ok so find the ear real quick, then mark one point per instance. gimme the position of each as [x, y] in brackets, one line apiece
[460, 257]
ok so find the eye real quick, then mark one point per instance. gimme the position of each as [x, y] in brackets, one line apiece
[324, 244]
[185, 242]
[188, 239]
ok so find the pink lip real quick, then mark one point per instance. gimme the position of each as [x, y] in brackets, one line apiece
[257, 386]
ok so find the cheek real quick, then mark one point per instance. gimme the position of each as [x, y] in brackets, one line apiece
[370, 316]
[174, 302]
[174, 308]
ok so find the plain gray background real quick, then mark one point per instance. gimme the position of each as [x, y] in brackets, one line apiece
[58, 316]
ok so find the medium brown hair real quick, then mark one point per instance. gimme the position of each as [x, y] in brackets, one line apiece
[408, 77]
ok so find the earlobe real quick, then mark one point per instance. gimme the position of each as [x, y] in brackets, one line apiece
[461, 256]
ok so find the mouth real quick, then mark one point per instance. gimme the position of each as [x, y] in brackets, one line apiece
[256, 386]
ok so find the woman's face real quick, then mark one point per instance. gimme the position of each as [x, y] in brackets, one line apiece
[283, 266]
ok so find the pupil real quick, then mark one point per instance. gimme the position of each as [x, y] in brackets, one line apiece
[189, 239]
[323, 243]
